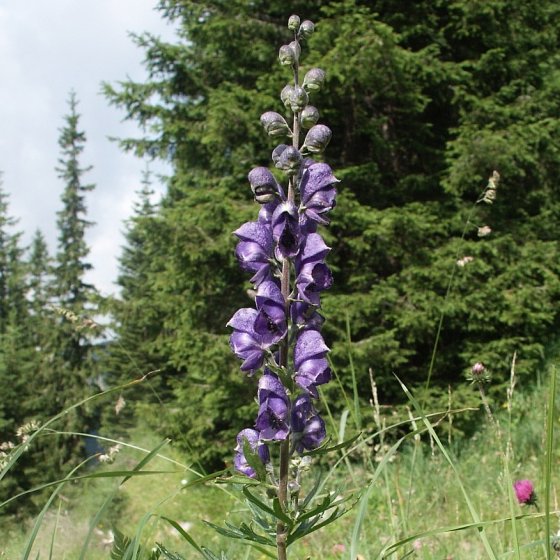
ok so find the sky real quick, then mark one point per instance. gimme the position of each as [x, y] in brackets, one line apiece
[47, 49]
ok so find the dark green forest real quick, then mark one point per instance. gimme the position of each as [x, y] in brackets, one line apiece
[427, 100]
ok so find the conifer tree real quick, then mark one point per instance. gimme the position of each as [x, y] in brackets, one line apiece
[425, 101]
[67, 377]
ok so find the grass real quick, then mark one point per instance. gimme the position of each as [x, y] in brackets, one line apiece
[420, 497]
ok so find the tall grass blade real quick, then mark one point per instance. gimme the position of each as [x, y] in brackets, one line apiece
[42, 513]
[549, 457]
[356, 399]
[474, 514]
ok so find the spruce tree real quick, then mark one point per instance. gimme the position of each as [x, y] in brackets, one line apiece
[67, 376]
[425, 101]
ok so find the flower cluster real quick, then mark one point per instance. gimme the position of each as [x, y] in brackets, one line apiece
[281, 335]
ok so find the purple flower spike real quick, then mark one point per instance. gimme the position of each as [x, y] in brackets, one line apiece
[256, 249]
[239, 461]
[311, 365]
[247, 344]
[318, 194]
[307, 426]
[285, 230]
[270, 322]
[313, 275]
[525, 492]
[274, 406]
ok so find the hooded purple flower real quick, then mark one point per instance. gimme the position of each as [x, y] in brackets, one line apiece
[239, 461]
[270, 322]
[245, 342]
[285, 229]
[318, 194]
[255, 249]
[263, 184]
[310, 363]
[305, 316]
[313, 275]
[274, 409]
[307, 426]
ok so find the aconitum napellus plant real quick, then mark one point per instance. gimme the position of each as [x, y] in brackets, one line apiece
[279, 339]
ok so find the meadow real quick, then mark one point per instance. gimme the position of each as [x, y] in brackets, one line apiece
[420, 489]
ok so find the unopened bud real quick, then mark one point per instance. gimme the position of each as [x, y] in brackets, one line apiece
[293, 23]
[275, 124]
[293, 487]
[294, 45]
[263, 184]
[313, 80]
[290, 161]
[277, 152]
[306, 28]
[309, 116]
[298, 99]
[287, 55]
[285, 95]
[317, 139]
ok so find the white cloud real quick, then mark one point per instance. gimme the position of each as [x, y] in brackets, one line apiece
[47, 49]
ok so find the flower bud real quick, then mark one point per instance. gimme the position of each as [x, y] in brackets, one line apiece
[275, 124]
[293, 23]
[287, 55]
[263, 184]
[285, 95]
[309, 116]
[294, 45]
[306, 28]
[314, 79]
[298, 99]
[277, 152]
[289, 161]
[317, 139]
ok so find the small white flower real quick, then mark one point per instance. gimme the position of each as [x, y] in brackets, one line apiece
[464, 261]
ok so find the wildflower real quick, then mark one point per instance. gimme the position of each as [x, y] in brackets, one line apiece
[318, 195]
[111, 454]
[310, 362]
[274, 409]
[484, 231]
[259, 449]
[525, 492]
[317, 139]
[313, 275]
[270, 322]
[313, 80]
[245, 342]
[263, 184]
[285, 230]
[307, 426]
[309, 116]
[464, 261]
[255, 249]
[275, 124]
[478, 373]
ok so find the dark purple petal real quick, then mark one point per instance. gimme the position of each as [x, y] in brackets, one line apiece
[311, 366]
[273, 419]
[317, 176]
[255, 249]
[245, 342]
[307, 426]
[305, 316]
[239, 461]
[270, 322]
[313, 275]
[313, 249]
[285, 229]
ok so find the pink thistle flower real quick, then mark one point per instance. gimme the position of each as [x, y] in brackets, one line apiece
[525, 492]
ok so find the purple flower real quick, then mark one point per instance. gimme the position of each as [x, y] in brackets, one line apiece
[270, 322]
[285, 230]
[305, 316]
[245, 342]
[525, 492]
[310, 363]
[307, 426]
[263, 184]
[274, 406]
[260, 449]
[313, 275]
[255, 249]
[318, 194]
